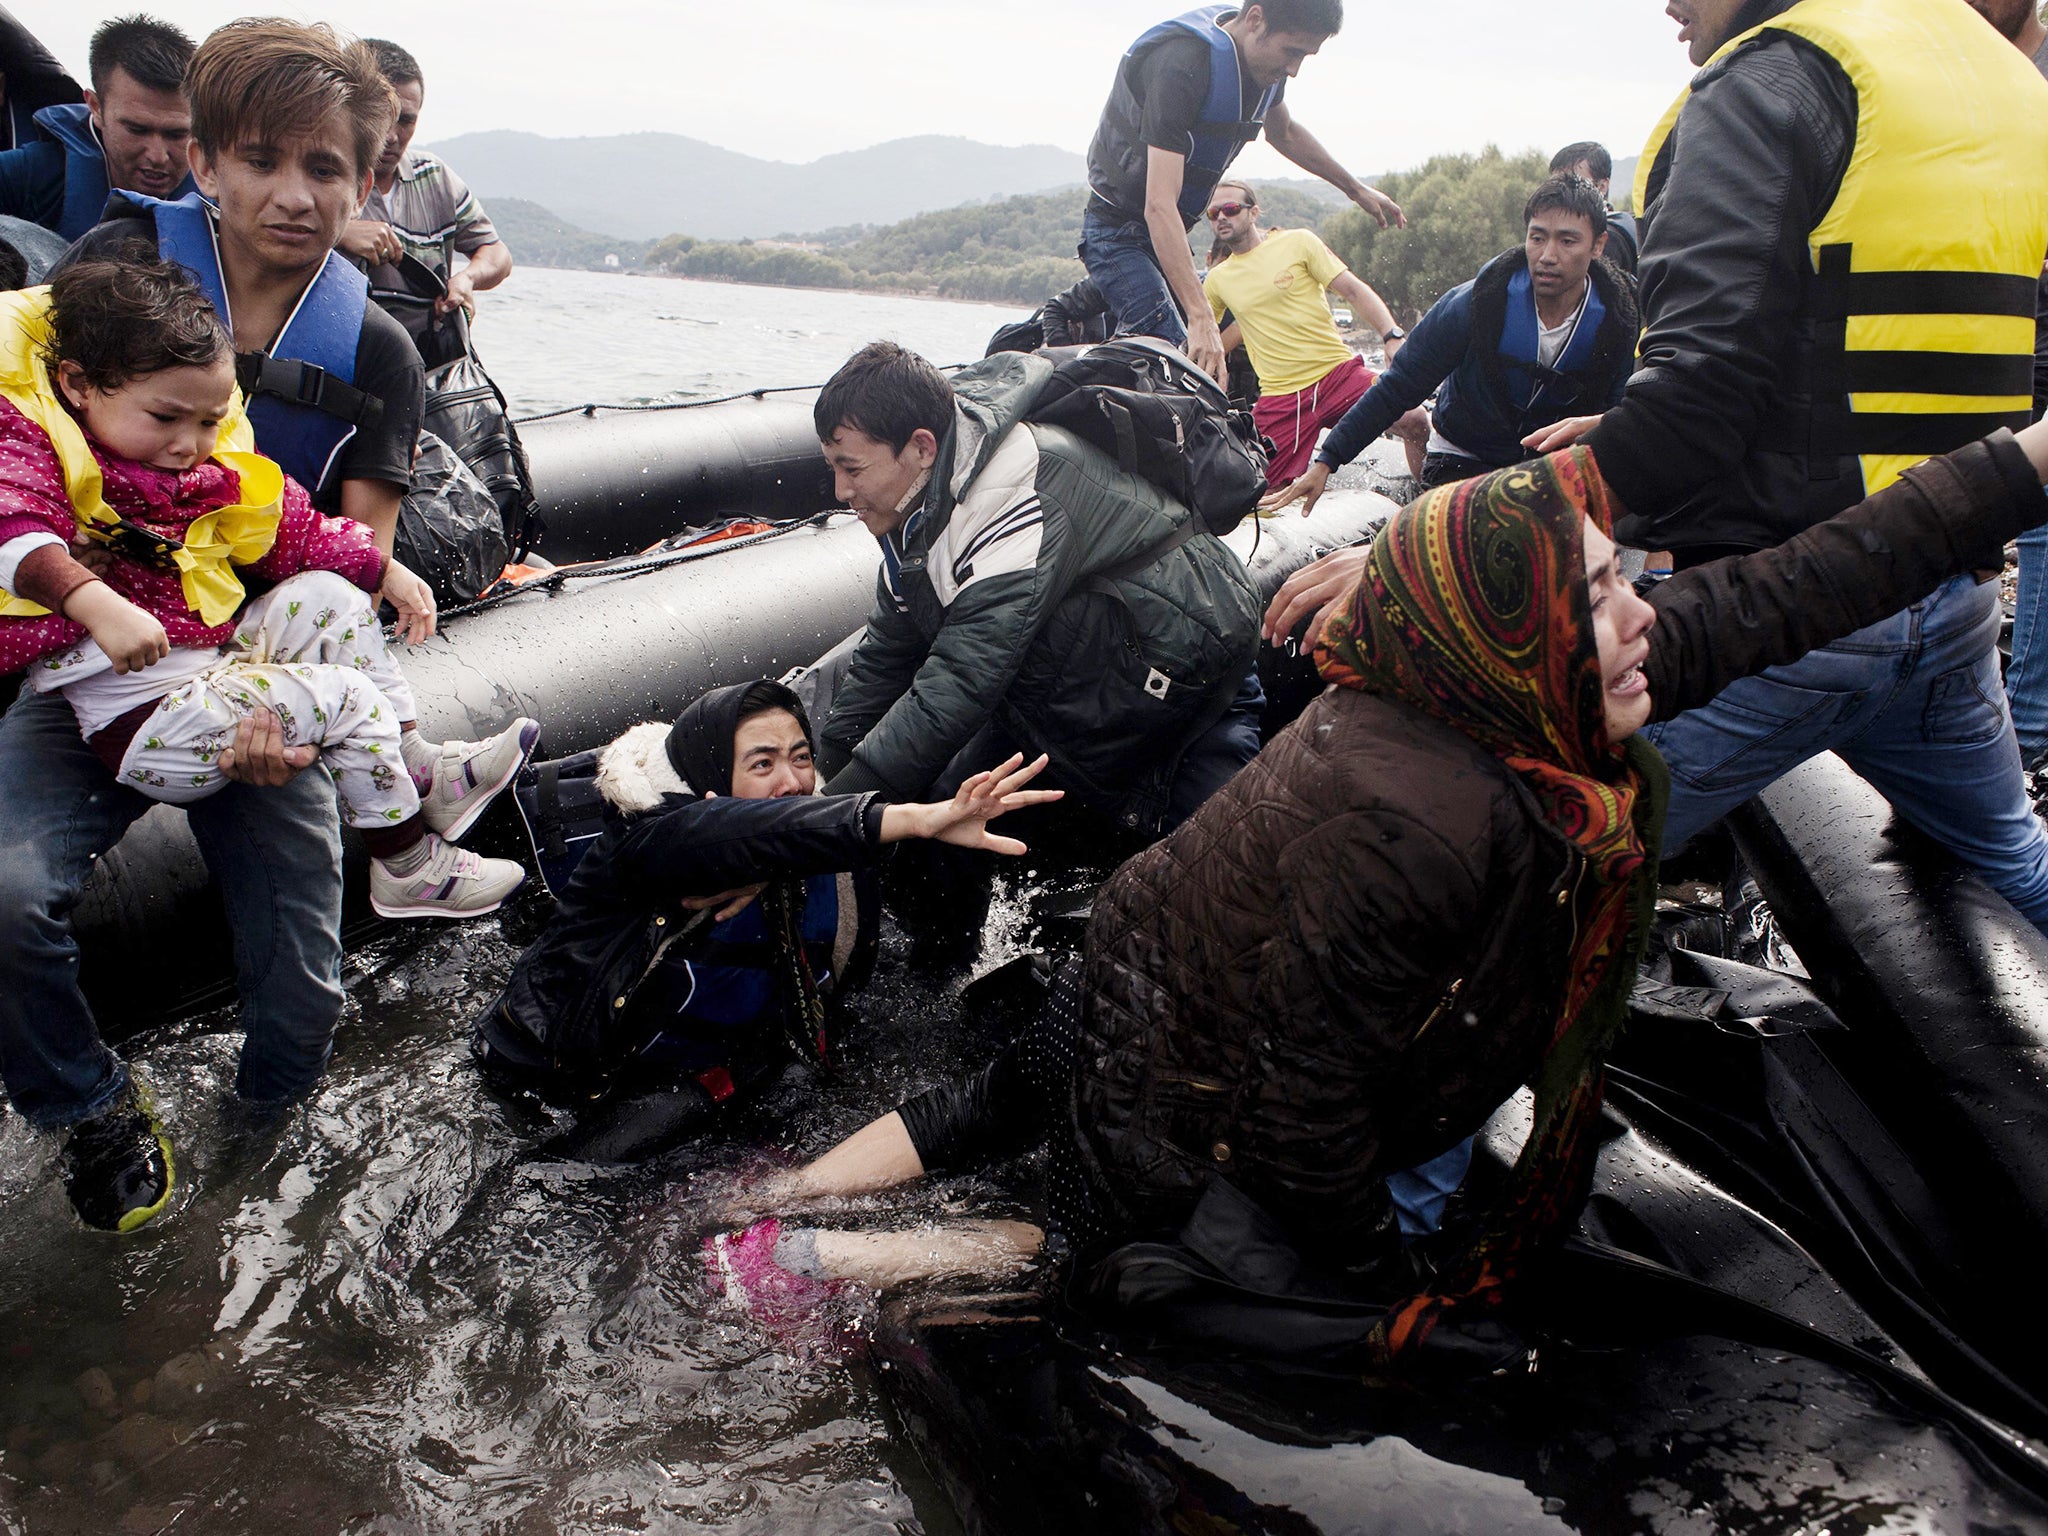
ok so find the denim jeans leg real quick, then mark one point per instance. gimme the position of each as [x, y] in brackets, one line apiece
[1421, 1193]
[275, 853]
[1943, 751]
[2026, 684]
[62, 810]
[1121, 260]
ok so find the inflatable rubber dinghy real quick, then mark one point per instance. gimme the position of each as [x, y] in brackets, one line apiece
[589, 650]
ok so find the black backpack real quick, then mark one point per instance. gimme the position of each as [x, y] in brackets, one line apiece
[1161, 418]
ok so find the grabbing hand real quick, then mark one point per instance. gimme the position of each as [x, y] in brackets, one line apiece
[413, 599]
[1560, 434]
[963, 820]
[371, 240]
[730, 904]
[461, 294]
[1205, 347]
[1383, 209]
[259, 755]
[1314, 589]
[131, 638]
[1307, 489]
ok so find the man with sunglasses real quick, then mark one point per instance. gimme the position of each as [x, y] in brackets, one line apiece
[1189, 95]
[1274, 283]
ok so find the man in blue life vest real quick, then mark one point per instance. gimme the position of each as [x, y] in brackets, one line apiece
[286, 124]
[129, 135]
[1546, 330]
[1189, 95]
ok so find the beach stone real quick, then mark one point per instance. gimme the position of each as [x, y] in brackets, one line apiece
[140, 1394]
[97, 1391]
[184, 1382]
[61, 1462]
[139, 1439]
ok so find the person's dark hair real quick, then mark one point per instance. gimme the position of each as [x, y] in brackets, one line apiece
[260, 80]
[1569, 194]
[1593, 157]
[13, 267]
[766, 696]
[886, 392]
[1317, 18]
[153, 53]
[394, 63]
[133, 315]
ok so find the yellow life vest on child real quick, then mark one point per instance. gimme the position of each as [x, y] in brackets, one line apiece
[1927, 262]
[215, 543]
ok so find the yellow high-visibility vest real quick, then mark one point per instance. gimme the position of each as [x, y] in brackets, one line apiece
[1927, 262]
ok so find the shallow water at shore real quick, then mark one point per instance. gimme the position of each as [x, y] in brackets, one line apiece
[556, 338]
[376, 1316]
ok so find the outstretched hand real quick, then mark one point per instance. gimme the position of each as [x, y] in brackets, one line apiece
[1314, 589]
[963, 820]
[1307, 489]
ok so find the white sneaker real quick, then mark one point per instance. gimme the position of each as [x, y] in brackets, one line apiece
[469, 774]
[452, 883]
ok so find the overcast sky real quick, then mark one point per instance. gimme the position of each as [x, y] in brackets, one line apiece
[796, 79]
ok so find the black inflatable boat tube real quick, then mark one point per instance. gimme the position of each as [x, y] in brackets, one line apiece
[587, 662]
[613, 482]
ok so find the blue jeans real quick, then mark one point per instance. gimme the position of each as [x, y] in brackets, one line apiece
[1914, 705]
[2026, 683]
[276, 856]
[1421, 1193]
[1125, 267]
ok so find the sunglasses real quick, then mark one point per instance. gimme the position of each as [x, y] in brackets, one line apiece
[1229, 210]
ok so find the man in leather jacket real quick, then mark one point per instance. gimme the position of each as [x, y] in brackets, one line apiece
[1699, 452]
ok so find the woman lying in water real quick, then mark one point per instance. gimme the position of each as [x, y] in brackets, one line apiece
[695, 947]
[1431, 888]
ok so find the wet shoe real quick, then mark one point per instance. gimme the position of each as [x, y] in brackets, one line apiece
[469, 774]
[741, 1267]
[117, 1166]
[452, 883]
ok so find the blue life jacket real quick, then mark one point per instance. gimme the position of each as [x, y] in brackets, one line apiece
[1117, 159]
[85, 166]
[1527, 378]
[303, 402]
[723, 997]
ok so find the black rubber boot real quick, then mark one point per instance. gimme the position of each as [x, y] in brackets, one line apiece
[117, 1166]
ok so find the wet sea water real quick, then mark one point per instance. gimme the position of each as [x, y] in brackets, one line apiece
[376, 1315]
[554, 339]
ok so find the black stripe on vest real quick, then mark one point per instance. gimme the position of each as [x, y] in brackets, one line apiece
[1939, 373]
[1925, 435]
[1839, 292]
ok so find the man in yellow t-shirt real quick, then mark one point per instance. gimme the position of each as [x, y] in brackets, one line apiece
[1274, 283]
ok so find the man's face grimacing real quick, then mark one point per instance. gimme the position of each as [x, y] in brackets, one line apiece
[1274, 56]
[1704, 25]
[771, 758]
[412, 97]
[872, 478]
[144, 133]
[284, 205]
[1561, 249]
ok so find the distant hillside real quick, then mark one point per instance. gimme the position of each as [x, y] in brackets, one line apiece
[538, 238]
[647, 184]
[1017, 250]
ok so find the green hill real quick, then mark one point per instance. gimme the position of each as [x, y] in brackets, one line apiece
[539, 238]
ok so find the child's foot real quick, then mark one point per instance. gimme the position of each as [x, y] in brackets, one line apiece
[447, 882]
[780, 1290]
[117, 1166]
[467, 776]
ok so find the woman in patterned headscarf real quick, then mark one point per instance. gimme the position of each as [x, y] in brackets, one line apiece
[1431, 888]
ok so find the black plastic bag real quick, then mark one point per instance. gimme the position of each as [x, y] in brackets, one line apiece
[450, 532]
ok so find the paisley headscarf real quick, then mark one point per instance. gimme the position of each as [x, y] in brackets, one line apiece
[1474, 609]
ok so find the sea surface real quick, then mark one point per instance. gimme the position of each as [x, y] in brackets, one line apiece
[554, 338]
[381, 1312]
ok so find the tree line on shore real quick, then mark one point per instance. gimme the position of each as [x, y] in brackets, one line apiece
[1462, 209]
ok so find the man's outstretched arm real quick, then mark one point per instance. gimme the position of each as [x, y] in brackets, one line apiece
[1306, 150]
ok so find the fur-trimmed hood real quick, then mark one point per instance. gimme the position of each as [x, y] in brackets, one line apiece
[634, 773]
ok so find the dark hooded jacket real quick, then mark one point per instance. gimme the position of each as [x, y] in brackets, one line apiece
[589, 991]
[1355, 951]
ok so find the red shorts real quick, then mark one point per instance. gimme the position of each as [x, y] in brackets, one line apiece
[1294, 421]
